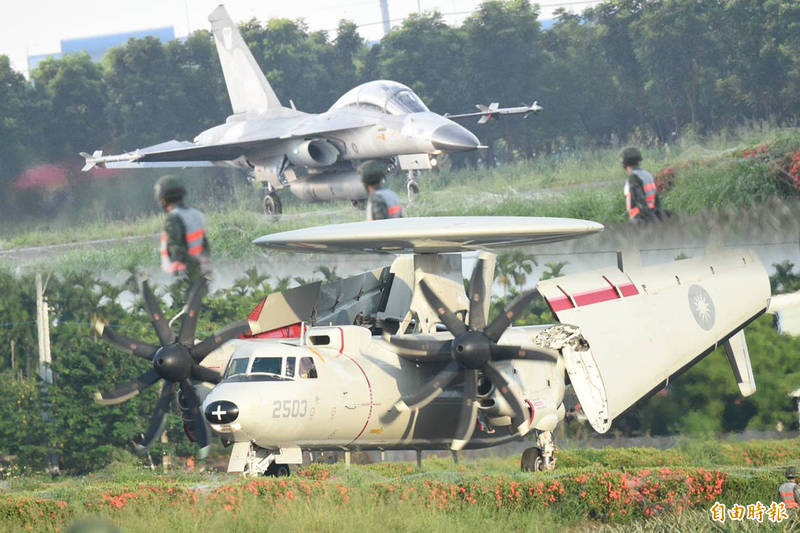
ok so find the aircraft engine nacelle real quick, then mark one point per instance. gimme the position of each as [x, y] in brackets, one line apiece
[313, 153]
[493, 405]
[328, 187]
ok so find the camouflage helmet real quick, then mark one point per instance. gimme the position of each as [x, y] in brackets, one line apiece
[372, 172]
[631, 156]
[791, 472]
[169, 188]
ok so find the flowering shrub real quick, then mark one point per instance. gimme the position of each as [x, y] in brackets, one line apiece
[757, 151]
[794, 169]
[605, 495]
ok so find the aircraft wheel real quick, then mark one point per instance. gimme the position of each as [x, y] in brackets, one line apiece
[272, 206]
[413, 190]
[276, 470]
[359, 204]
[531, 460]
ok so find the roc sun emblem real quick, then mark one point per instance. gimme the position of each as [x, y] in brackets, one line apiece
[702, 307]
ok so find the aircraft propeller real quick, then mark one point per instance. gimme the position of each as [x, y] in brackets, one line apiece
[472, 350]
[176, 361]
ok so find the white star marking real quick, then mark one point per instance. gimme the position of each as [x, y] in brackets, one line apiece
[703, 308]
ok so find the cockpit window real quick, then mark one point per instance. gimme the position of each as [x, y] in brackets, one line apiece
[266, 365]
[237, 366]
[290, 367]
[383, 96]
[307, 370]
[405, 101]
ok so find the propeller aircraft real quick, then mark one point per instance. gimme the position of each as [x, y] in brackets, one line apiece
[403, 358]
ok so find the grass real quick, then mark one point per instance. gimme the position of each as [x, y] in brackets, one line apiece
[711, 175]
[437, 498]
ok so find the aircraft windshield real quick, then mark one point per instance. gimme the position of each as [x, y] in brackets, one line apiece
[405, 102]
[383, 96]
[237, 366]
[267, 365]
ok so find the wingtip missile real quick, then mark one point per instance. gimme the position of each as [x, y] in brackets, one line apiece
[92, 160]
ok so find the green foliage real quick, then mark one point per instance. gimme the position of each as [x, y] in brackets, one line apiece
[646, 72]
[706, 398]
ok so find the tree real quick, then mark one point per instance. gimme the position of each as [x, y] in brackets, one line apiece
[512, 270]
[76, 113]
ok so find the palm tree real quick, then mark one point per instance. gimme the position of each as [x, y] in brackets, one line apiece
[554, 270]
[512, 270]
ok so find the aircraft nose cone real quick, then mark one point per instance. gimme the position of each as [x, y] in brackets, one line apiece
[453, 138]
[221, 412]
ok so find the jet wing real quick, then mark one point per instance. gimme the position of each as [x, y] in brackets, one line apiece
[646, 325]
[185, 153]
[429, 234]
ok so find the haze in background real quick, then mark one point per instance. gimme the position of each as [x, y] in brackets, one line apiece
[38, 26]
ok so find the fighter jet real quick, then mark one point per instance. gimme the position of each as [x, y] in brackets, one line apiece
[494, 111]
[315, 156]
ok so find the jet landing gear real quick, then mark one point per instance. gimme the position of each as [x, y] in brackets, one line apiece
[272, 204]
[412, 187]
[540, 457]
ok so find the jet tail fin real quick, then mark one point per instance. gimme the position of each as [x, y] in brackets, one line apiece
[248, 88]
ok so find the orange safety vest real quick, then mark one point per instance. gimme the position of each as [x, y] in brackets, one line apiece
[650, 192]
[787, 494]
[194, 223]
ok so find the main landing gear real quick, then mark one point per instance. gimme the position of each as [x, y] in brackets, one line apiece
[272, 204]
[540, 457]
[412, 187]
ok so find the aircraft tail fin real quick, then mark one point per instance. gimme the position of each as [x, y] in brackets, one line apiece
[248, 88]
[786, 307]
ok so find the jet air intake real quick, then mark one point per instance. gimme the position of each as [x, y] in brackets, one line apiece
[313, 153]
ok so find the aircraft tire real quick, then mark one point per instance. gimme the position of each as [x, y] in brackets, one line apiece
[276, 470]
[413, 190]
[272, 206]
[359, 204]
[531, 460]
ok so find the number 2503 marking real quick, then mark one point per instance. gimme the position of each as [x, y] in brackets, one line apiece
[289, 408]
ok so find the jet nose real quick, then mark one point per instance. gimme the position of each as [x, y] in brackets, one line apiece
[221, 412]
[454, 138]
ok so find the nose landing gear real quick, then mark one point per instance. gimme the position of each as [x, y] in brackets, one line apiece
[540, 457]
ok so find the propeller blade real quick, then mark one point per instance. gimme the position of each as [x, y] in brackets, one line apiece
[469, 411]
[231, 331]
[502, 385]
[189, 325]
[203, 373]
[164, 332]
[501, 352]
[199, 427]
[128, 390]
[142, 349]
[495, 330]
[430, 390]
[477, 289]
[448, 318]
[159, 418]
[418, 348]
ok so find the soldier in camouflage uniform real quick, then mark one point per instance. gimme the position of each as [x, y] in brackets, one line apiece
[184, 247]
[641, 194]
[790, 491]
[382, 202]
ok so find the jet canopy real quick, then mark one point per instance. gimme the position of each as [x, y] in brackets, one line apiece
[385, 96]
